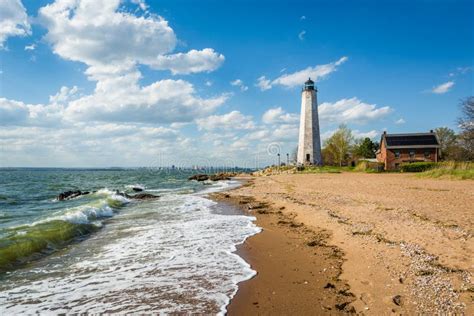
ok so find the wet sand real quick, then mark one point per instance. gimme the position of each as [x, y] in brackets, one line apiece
[353, 242]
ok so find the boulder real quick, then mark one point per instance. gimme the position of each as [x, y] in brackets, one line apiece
[137, 189]
[67, 195]
[219, 176]
[199, 177]
[143, 196]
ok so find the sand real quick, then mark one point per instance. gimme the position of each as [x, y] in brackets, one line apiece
[374, 244]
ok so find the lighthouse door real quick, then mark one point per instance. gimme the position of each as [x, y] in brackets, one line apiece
[308, 157]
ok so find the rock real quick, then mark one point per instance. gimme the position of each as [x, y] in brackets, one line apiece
[397, 300]
[143, 196]
[199, 177]
[220, 176]
[137, 189]
[69, 195]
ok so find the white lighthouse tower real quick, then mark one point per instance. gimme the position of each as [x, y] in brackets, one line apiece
[309, 144]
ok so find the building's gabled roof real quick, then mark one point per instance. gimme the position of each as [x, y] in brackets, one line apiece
[410, 140]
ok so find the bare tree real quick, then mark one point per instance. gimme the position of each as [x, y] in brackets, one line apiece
[466, 124]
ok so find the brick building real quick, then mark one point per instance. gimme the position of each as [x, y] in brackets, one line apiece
[396, 149]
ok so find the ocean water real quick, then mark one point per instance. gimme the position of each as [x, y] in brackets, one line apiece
[103, 253]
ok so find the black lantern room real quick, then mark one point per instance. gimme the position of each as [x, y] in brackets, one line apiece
[309, 85]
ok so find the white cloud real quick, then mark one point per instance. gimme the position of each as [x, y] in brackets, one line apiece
[208, 83]
[400, 121]
[141, 4]
[239, 83]
[370, 134]
[263, 83]
[303, 17]
[13, 20]
[301, 35]
[63, 95]
[121, 99]
[316, 73]
[351, 111]
[93, 32]
[30, 47]
[443, 88]
[278, 115]
[230, 121]
[12, 112]
[194, 61]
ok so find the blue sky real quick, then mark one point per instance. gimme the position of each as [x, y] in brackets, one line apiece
[148, 83]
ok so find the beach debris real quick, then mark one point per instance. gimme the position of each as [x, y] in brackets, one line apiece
[68, 195]
[256, 205]
[397, 300]
[329, 286]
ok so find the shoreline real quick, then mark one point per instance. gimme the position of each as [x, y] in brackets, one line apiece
[394, 243]
[285, 250]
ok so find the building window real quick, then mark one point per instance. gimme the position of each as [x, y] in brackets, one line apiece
[427, 154]
[397, 154]
[412, 153]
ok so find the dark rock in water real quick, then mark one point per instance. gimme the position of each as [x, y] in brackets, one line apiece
[143, 196]
[137, 189]
[69, 195]
[199, 177]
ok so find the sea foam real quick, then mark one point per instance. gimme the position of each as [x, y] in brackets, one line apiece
[171, 255]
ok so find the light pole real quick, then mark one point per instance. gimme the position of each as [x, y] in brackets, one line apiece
[278, 160]
[287, 159]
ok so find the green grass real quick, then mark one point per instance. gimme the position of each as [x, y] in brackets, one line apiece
[451, 169]
[326, 169]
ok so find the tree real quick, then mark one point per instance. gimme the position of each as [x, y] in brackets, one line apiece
[466, 121]
[338, 145]
[365, 148]
[294, 156]
[466, 124]
[447, 141]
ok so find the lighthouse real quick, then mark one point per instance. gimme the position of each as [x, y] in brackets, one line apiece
[309, 144]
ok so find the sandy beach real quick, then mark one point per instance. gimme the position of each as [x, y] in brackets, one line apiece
[353, 242]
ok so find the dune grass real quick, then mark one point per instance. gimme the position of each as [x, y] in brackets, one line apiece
[451, 169]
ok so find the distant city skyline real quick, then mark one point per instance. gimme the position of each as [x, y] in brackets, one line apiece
[146, 83]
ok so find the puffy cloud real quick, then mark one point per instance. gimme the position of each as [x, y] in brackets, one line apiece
[12, 112]
[231, 121]
[93, 32]
[278, 115]
[239, 83]
[64, 94]
[443, 88]
[121, 99]
[205, 60]
[263, 83]
[316, 73]
[400, 121]
[351, 111]
[13, 20]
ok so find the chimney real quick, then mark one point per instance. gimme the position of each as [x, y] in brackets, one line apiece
[431, 131]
